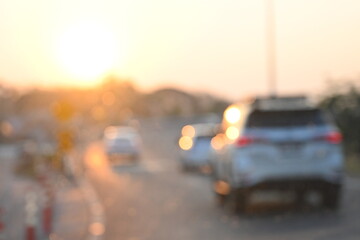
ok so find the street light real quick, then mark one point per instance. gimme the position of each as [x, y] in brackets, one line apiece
[271, 46]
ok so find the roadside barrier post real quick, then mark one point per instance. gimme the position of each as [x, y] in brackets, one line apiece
[31, 209]
[47, 212]
[2, 225]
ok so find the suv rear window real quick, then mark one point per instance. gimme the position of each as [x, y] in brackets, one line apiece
[294, 118]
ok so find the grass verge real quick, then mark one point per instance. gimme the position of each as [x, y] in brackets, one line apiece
[352, 165]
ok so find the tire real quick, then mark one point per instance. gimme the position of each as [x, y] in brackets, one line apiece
[237, 201]
[331, 197]
[300, 197]
[185, 168]
[220, 199]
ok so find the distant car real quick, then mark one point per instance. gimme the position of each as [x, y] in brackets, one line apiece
[122, 142]
[195, 145]
[277, 145]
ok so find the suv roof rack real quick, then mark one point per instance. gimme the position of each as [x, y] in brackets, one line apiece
[282, 103]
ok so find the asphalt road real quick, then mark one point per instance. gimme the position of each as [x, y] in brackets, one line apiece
[153, 200]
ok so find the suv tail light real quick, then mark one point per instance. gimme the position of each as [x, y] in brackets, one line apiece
[244, 141]
[333, 137]
[248, 140]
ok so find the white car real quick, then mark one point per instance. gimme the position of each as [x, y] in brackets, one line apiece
[122, 142]
[195, 145]
[280, 145]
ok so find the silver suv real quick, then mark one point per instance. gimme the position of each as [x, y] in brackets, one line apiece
[280, 145]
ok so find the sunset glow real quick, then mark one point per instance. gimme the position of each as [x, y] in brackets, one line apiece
[198, 45]
[86, 50]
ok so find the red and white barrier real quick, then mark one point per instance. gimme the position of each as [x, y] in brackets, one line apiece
[2, 225]
[47, 212]
[31, 209]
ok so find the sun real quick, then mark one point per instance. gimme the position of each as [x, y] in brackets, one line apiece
[86, 50]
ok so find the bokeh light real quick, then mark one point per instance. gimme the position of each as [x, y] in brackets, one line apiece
[217, 142]
[232, 114]
[6, 128]
[97, 229]
[185, 143]
[188, 130]
[232, 133]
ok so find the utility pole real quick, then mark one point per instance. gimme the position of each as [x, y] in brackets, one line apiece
[271, 46]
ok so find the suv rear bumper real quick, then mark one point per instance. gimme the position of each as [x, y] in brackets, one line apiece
[293, 184]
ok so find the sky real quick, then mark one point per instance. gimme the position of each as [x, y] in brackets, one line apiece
[198, 45]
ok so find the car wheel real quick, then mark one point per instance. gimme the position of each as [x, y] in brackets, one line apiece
[331, 197]
[237, 202]
[220, 199]
[185, 168]
[300, 197]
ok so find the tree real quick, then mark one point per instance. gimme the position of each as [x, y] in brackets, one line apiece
[344, 105]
